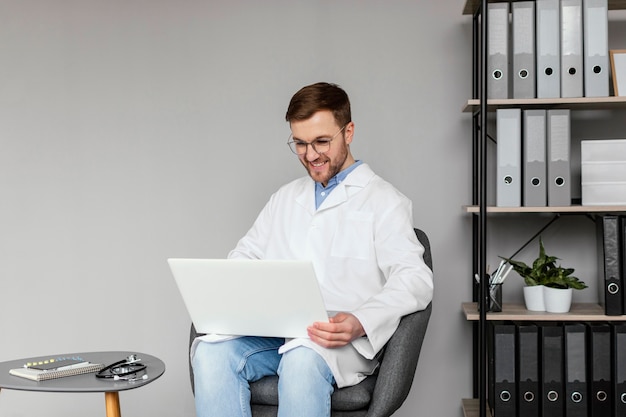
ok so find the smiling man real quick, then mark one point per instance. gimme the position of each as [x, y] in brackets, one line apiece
[357, 229]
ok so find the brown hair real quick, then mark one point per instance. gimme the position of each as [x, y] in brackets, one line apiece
[320, 96]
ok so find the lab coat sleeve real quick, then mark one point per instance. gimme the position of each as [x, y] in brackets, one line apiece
[254, 243]
[409, 281]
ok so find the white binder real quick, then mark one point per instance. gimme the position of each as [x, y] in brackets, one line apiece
[571, 48]
[509, 156]
[559, 157]
[596, 48]
[498, 51]
[523, 41]
[534, 149]
[548, 49]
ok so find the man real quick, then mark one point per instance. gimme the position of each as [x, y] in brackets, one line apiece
[357, 230]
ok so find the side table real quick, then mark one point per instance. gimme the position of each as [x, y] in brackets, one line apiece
[86, 382]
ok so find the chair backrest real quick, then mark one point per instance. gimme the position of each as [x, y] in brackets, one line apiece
[398, 366]
[423, 238]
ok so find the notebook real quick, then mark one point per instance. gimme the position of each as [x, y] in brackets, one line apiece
[250, 297]
[48, 372]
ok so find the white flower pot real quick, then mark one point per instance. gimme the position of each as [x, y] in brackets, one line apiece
[533, 297]
[557, 300]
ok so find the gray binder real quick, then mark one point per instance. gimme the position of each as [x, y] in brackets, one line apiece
[509, 156]
[523, 41]
[498, 50]
[571, 48]
[535, 170]
[548, 49]
[596, 48]
[559, 157]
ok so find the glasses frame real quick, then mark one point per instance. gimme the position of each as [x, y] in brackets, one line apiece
[292, 143]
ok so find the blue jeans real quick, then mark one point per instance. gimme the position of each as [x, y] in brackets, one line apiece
[223, 372]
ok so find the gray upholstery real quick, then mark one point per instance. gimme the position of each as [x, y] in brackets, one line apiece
[378, 395]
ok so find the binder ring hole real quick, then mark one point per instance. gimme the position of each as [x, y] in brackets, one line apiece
[552, 396]
[577, 397]
[559, 181]
[508, 180]
[601, 396]
[549, 71]
[497, 74]
[623, 397]
[523, 73]
[529, 396]
[505, 396]
[613, 288]
[535, 182]
[572, 71]
[597, 69]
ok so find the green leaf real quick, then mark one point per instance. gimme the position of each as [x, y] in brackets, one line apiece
[545, 271]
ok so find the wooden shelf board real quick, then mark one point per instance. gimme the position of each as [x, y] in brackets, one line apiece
[471, 407]
[561, 209]
[472, 5]
[517, 311]
[579, 103]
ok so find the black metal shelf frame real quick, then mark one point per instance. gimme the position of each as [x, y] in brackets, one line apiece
[479, 197]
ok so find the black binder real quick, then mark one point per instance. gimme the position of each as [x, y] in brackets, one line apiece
[527, 369]
[599, 369]
[622, 243]
[575, 349]
[551, 340]
[502, 370]
[619, 369]
[609, 264]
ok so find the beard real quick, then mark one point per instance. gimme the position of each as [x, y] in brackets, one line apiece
[330, 167]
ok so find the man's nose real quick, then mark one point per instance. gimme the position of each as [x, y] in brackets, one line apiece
[311, 154]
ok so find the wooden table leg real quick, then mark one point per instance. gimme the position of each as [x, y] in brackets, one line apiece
[112, 400]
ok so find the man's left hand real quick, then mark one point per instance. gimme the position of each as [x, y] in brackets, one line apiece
[340, 330]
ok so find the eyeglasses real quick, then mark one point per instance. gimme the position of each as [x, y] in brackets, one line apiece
[319, 145]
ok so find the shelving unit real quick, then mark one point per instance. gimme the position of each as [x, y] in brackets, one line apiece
[518, 312]
[472, 6]
[553, 209]
[581, 103]
[587, 312]
[475, 311]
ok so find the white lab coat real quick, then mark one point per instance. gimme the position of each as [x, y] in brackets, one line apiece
[365, 253]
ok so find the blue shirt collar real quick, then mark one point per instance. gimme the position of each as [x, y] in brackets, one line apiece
[322, 192]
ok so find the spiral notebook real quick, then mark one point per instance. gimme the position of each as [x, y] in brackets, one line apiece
[59, 372]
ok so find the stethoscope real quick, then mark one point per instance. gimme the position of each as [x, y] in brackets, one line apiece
[124, 370]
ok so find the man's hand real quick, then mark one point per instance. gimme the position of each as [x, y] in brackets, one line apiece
[341, 329]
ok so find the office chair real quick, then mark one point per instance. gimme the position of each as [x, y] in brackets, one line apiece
[378, 395]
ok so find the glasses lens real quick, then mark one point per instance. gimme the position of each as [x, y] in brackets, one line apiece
[321, 145]
[318, 145]
[297, 148]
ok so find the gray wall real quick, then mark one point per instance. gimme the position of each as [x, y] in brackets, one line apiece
[136, 130]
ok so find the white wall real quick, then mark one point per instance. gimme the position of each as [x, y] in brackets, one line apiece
[136, 130]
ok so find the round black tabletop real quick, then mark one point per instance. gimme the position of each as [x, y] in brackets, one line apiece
[82, 383]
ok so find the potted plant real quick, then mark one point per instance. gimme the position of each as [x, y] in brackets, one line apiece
[552, 283]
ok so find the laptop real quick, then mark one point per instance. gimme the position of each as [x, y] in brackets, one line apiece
[274, 298]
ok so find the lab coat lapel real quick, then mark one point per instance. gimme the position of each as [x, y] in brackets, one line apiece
[354, 182]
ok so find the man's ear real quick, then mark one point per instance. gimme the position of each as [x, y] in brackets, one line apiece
[349, 132]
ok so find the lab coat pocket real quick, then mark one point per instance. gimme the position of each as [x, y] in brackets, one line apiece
[354, 236]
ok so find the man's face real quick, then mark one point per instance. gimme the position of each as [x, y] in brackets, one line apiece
[323, 166]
